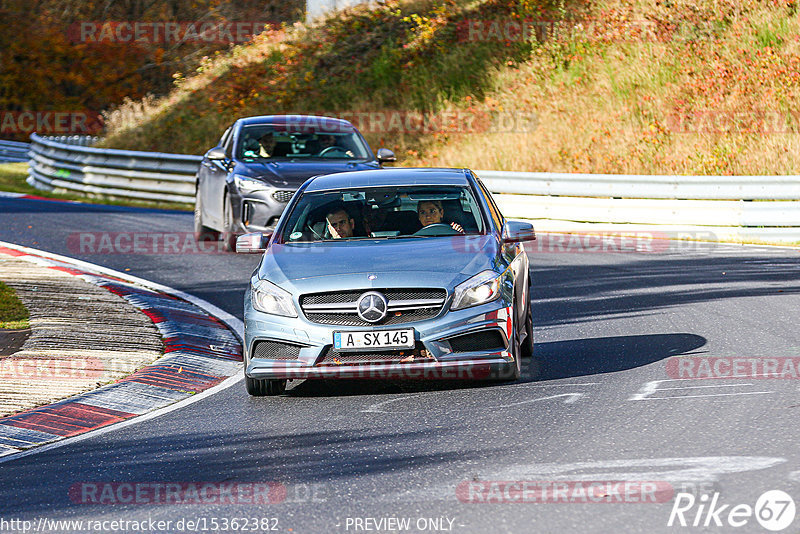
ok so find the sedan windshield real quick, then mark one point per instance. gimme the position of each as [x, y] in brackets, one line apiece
[383, 213]
[302, 141]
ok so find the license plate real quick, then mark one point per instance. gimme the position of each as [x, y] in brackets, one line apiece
[382, 339]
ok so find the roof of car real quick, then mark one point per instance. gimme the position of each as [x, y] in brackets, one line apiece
[313, 122]
[388, 178]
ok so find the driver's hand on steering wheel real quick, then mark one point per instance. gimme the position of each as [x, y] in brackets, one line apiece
[457, 227]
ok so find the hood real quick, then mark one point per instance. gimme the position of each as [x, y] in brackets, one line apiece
[424, 262]
[288, 173]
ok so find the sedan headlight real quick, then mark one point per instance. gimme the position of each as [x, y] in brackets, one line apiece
[482, 288]
[245, 184]
[269, 298]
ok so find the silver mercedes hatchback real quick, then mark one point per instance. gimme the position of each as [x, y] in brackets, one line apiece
[392, 274]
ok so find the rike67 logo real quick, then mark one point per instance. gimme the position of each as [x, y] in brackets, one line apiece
[774, 510]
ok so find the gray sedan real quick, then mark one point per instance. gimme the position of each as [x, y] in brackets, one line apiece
[244, 183]
[389, 274]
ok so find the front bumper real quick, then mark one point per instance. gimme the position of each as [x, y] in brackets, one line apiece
[258, 210]
[442, 363]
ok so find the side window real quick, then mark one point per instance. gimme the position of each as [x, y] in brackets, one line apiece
[226, 142]
[224, 139]
[495, 213]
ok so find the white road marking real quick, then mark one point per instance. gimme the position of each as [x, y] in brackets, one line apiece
[707, 469]
[650, 388]
[677, 470]
[565, 385]
[571, 398]
[709, 395]
[375, 408]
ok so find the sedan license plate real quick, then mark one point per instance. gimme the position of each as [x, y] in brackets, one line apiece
[382, 339]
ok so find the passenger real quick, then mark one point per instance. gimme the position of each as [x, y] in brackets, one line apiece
[340, 224]
[431, 212]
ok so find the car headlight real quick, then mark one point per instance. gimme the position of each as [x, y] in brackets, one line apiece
[269, 298]
[246, 184]
[482, 288]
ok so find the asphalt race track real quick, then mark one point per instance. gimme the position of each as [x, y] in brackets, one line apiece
[352, 456]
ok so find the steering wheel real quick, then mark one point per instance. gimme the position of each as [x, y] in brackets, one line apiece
[437, 229]
[331, 149]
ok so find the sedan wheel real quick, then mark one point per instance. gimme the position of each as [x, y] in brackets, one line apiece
[229, 235]
[264, 388]
[202, 234]
[527, 345]
[517, 354]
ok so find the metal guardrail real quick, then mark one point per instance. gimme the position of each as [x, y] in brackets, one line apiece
[79, 140]
[704, 201]
[12, 151]
[649, 186]
[116, 173]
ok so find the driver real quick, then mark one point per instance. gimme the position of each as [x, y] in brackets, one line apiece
[327, 141]
[431, 212]
[340, 224]
[266, 145]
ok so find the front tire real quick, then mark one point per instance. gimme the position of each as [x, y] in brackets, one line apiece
[264, 388]
[202, 234]
[535, 365]
[527, 345]
[517, 354]
[229, 234]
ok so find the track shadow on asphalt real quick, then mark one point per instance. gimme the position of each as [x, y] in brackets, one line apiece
[558, 360]
[591, 356]
[354, 387]
[570, 293]
[261, 455]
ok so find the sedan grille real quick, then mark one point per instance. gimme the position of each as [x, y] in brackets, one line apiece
[404, 306]
[283, 196]
[276, 350]
[331, 356]
[482, 341]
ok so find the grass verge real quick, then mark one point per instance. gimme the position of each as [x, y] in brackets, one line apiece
[689, 87]
[13, 175]
[13, 314]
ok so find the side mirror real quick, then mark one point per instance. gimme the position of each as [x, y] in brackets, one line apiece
[517, 231]
[385, 155]
[254, 243]
[216, 154]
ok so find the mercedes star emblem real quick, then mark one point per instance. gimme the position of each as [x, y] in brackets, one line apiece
[372, 306]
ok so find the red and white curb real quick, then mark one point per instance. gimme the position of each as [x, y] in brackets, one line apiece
[202, 354]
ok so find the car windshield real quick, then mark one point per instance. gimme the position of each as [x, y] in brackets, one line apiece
[299, 141]
[383, 213]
